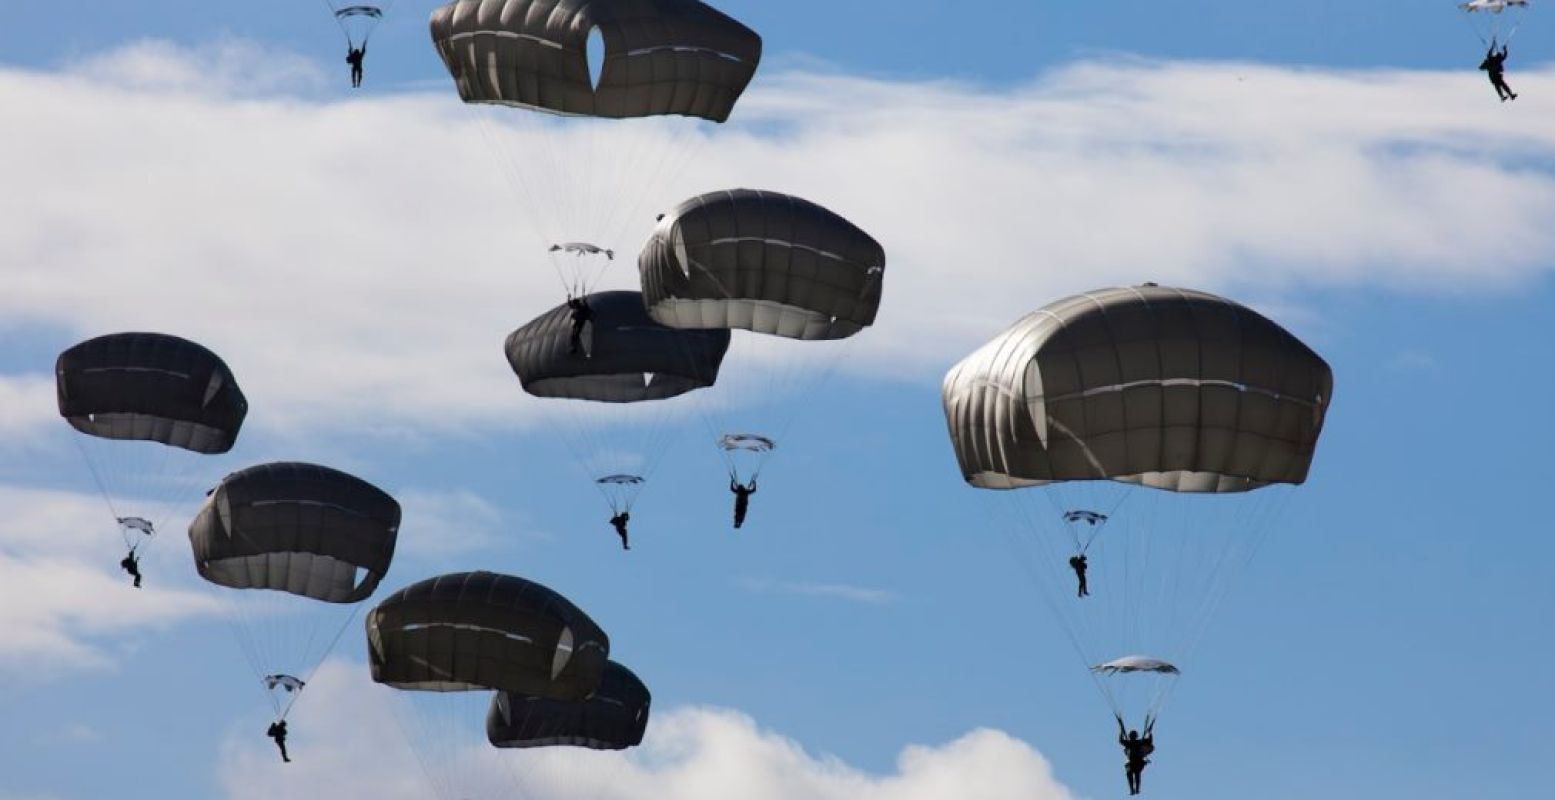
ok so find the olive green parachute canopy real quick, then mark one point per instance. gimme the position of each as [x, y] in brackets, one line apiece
[297, 528]
[1168, 388]
[150, 387]
[630, 358]
[764, 262]
[613, 719]
[482, 630]
[661, 56]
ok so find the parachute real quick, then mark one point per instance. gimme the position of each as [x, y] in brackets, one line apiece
[1135, 664]
[1495, 21]
[661, 57]
[768, 263]
[613, 718]
[627, 91]
[745, 453]
[630, 358]
[583, 248]
[138, 525]
[446, 643]
[751, 442]
[481, 630]
[283, 690]
[1492, 6]
[136, 532]
[763, 262]
[357, 22]
[620, 491]
[150, 387]
[303, 542]
[1157, 428]
[283, 682]
[627, 360]
[152, 408]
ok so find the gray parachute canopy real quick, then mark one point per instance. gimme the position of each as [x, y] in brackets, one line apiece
[630, 358]
[481, 630]
[1169, 388]
[614, 718]
[150, 387]
[764, 262]
[297, 528]
[661, 56]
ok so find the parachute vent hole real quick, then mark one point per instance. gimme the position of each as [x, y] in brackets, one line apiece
[596, 57]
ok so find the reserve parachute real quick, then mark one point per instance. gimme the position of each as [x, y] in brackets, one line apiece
[1151, 434]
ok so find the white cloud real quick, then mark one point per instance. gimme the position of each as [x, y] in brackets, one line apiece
[688, 754]
[835, 591]
[27, 408]
[62, 613]
[360, 261]
[441, 524]
[226, 68]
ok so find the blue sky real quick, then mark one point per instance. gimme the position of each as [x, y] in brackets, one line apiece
[200, 168]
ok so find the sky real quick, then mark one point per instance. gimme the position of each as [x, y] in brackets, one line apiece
[204, 169]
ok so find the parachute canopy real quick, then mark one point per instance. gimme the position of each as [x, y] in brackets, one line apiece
[755, 443]
[614, 718]
[357, 22]
[630, 358]
[482, 630]
[583, 249]
[359, 11]
[297, 528]
[764, 262]
[138, 524]
[1492, 6]
[1168, 388]
[284, 682]
[150, 387]
[661, 56]
[1135, 664]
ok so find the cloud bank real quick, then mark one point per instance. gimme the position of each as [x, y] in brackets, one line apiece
[359, 261]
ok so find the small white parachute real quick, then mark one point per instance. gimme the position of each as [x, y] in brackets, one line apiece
[139, 524]
[754, 442]
[1492, 6]
[1495, 21]
[583, 249]
[1135, 664]
[284, 682]
[357, 22]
